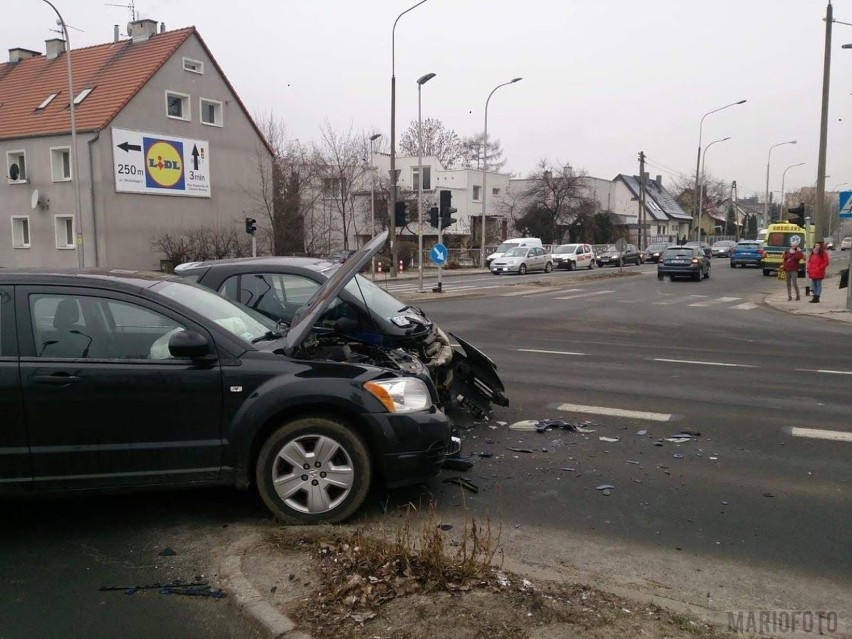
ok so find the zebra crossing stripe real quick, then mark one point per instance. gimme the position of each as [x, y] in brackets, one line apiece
[678, 300]
[539, 292]
[573, 297]
[747, 306]
[718, 300]
[816, 433]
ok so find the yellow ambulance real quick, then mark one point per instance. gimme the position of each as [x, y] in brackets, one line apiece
[780, 237]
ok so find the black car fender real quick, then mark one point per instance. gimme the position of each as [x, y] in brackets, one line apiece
[293, 396]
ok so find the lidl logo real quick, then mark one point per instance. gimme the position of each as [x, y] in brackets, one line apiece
[163, 164]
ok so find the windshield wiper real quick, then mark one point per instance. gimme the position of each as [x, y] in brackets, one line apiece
[266, 336]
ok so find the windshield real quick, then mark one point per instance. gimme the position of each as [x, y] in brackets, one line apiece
[505, 246]
[610, 248]
[566, 248]
[516, 252]
[680, 252]
[241, 322]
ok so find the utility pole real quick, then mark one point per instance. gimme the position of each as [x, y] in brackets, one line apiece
[820, 212]
[642, 213]
[734, 199]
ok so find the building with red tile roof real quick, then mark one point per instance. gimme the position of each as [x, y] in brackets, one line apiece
[164, 145]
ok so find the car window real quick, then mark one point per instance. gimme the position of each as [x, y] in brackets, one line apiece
[91, 327]
[518, 251]
[275, 295]
[679, 252]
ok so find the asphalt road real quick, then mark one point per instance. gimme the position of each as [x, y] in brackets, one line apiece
[746, 494]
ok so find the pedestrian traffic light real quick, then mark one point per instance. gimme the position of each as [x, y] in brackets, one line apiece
[798, 213]
[400, 214]
[447, 209]
[433, 216]
[251, 225]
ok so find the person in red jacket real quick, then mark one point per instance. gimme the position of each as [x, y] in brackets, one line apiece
[817, 263]
[790, 263]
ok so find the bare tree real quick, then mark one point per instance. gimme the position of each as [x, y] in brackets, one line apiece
[473, 154]
[555, 201]
[201, 243]
[438, 141]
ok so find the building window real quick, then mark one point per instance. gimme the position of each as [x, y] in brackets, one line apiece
[16, 167]
[477, 193]
[60, 164]
[64, 227]
[427, 178]
[193, 66]
[495, 191]
[47, 101]
[82, 95]
[211, 112]
[20, 231]
[177, 105]
[331, 187]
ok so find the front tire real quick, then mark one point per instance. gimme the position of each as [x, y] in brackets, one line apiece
[548, 267]
[313, 471]
[766, 272]
[570, 265]
[661, 277]
[522, 269]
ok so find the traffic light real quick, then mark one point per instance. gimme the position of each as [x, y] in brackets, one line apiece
[447, 209]
[400, 214]
[433, 216]
[798, 213]
[251, 225]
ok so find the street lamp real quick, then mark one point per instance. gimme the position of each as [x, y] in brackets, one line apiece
[783, 176]
[373, 138]
[701, 188]
[766, 200]
[485, 166]
[420, 82]
[78, 216]
[698, 160]
[393, 175]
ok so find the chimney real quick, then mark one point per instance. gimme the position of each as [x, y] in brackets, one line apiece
[141, 30]
[116, 35]
[162, 27]
[54, 47]
[17, 54]
[659, 182]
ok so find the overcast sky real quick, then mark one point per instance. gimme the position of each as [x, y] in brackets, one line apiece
[603, 79]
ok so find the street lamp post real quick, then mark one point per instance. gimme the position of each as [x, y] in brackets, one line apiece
[420, 82]
[830, 224]
[373, 138]
[698, 161]
[393, 174]
[78, 215]
[701, 188]
[485, 165]
[766, 198]
[783, 177]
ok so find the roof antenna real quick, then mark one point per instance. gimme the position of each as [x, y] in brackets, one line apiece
[130, 5]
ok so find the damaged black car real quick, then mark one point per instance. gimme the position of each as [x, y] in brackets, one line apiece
[362, 323]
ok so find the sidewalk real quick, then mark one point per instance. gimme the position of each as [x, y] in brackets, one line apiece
[832, 303]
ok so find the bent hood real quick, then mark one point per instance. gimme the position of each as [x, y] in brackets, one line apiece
[306, 316]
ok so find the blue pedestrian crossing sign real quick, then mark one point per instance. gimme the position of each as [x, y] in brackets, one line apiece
[439, 254]
[846, 205]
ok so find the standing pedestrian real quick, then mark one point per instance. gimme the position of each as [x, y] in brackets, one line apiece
[817, 263]
[790, 264]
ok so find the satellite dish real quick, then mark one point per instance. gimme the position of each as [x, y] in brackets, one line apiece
[129, 29]
[34, 199]
[14, 171]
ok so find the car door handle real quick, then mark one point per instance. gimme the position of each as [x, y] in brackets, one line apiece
[57, 379]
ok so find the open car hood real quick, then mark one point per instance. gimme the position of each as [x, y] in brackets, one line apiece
[306, 316]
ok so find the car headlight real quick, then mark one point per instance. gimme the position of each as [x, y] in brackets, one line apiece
[400, 395]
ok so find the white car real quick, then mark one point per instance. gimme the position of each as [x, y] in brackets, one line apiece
[846, 243]
[522, 259]
[573, 256]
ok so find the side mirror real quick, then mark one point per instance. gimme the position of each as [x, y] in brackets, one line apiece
[189, 345]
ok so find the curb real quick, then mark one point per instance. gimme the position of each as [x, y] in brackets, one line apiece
[248, 599]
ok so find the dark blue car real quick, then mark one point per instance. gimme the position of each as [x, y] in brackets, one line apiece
[746, 253]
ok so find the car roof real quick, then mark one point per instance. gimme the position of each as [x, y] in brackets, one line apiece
[313, 263]
[129, 279]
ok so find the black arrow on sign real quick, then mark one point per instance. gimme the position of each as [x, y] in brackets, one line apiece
[195, 157]
[126, 146]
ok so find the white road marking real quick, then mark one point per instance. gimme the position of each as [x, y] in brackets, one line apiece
[535, 350]
[678, 300]
[614, 412]
[815, 433]
[539, 291]
[747, 306]
[718, 300]
[690, 361]
[573, 297]
[828, 372]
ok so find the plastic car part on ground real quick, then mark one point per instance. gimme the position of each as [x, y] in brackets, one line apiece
[544, 425]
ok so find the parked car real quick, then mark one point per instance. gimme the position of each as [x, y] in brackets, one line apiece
[846, 243]
[363, 323]
[653, 252]
[611, 256]
[120, 380]
[747, 252]
[572, 256]
[522, 259]
[722, 248]
[509, 244]
[829, 243]
[684, 261]
[708, 250]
